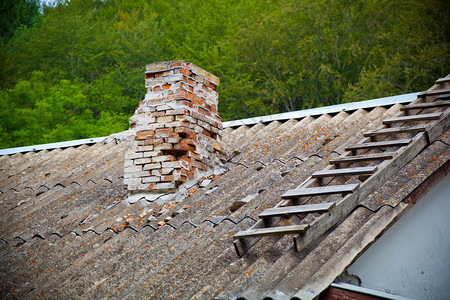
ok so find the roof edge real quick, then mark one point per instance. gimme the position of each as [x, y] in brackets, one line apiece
[66, 144]
[386, 101]
[299, 114]
[366, 291]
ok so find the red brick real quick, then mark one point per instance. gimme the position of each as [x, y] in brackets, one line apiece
[144, 134]
[192, 191]
[200, 165]
[167, 178]
[196, 101]
[186, 159]
[164, 146]
[192, 96]
[172, 140]
[183, 146]
[185, 102]
[159, 114]
[165, 119]
[164, 158]
[185, 72]
[216, 145]
[194, 155]
[155, 141]
[190, 134]
[190, 175]
[164, 130]
[206, 132]
[162, 74]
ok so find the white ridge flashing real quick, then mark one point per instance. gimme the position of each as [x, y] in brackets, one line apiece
[299, 114]
[66, 144]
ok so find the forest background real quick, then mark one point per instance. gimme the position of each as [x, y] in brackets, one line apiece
[75, 69]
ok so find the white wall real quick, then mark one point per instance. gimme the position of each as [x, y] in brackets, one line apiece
[412, 259]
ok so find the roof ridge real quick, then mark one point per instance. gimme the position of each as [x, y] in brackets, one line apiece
[299, 114]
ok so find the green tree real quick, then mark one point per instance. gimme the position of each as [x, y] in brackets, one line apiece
[271, 56]
[35, 112]
[314, 53]
[15, 14]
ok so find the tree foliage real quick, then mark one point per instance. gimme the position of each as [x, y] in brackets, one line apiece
[75, 70]
[16, 15]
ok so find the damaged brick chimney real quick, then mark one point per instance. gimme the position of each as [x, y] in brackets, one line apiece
[177, 129]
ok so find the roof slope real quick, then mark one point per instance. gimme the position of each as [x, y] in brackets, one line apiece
[66, 231]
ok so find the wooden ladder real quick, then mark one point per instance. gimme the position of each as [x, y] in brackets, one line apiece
[317, 218]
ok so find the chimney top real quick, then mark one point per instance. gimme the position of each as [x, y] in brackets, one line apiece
[160, 67]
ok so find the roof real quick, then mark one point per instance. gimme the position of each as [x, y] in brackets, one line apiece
[67, 231]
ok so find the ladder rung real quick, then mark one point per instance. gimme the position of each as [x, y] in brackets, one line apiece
[413, 118]
[322, 190]
[343, 172]
[365, 157]
[297, 209]
[426, 105]
[434, 93]
[395, 130]
[442, 80]
[279, 230]
[443, 97]
[379, 144]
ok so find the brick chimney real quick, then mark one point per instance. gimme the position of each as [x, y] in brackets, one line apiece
[176, 128]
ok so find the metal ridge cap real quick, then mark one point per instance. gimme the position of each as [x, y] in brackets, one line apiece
[405, 98]
[64, 144]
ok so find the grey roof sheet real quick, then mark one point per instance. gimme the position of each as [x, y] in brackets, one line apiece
[65, 231]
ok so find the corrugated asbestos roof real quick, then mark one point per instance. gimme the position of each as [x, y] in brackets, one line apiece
[65, 231]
